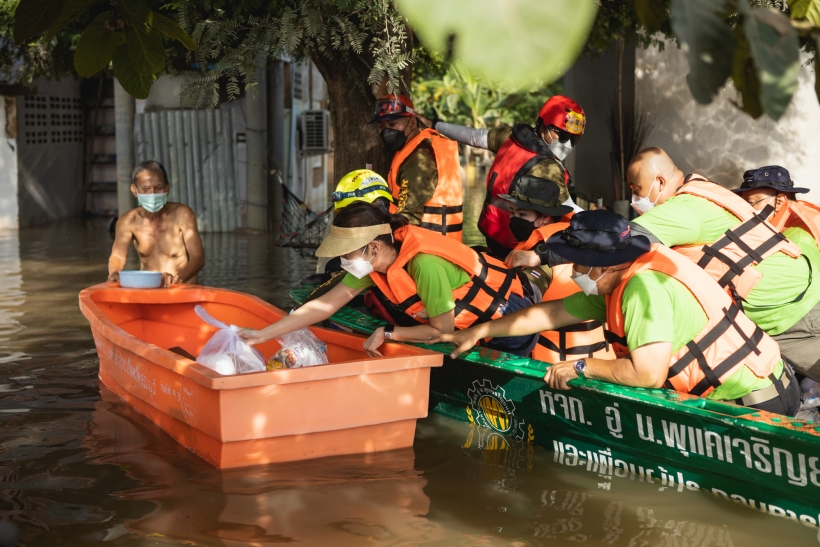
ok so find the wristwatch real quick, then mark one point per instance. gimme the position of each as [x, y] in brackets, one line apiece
[581, 368]
[388, 332]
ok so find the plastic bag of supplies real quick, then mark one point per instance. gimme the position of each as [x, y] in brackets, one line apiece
[226, 353]
[299, 349]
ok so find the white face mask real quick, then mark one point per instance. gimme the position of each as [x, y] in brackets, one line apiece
[642, 205]
[561, 149]
[587, 284]
[358, 267]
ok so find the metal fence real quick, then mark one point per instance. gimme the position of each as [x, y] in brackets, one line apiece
[198, 150]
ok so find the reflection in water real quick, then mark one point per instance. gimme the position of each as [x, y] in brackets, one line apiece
[78, 466]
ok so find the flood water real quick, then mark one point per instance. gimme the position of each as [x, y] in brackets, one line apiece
[79, 467]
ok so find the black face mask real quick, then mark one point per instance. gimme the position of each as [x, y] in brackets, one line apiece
[393, 139]
[521, 228]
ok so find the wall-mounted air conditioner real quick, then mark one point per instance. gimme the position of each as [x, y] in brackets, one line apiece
[315, 132]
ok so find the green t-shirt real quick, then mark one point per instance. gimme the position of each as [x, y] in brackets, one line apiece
[658, 308]
[686, 219]
[436, 278]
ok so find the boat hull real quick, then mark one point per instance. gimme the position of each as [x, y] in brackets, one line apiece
[353, 405]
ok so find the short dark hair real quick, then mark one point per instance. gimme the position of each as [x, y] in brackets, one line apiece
[150, 165]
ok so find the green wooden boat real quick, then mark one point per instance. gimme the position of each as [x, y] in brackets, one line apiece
[767, 462]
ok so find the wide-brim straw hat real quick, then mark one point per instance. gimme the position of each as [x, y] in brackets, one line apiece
[346, 240]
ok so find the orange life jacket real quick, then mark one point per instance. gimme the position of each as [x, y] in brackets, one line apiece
[587, 339]
[801, 214]
[478, 301]
[444, 213]
[729, 259]
[728, 340]
[517, 156]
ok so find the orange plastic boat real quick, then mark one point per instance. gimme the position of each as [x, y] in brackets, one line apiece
[355, 404]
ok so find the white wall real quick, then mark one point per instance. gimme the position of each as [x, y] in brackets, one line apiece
[9, 211]
[719, 141]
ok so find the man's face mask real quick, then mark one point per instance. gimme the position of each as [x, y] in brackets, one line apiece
[521, 228]
[152, 202]
[642, 204]
[393, 139]
[358, 267]
[586, 283]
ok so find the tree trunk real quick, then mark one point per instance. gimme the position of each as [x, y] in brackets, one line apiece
[355, 142]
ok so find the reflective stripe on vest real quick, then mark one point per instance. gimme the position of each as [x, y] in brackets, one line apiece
[801, 214]
[512, 161]
[727, 341]
[587, 339]
[478, 301]
[729, 259]
[443, 213]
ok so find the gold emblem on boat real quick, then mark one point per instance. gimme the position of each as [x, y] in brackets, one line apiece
[490, 408]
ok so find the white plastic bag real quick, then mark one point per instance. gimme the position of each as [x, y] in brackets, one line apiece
[226, 353]
[299, 349]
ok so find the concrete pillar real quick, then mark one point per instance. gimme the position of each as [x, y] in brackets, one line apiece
[124, 106]
[257, 156]
[276, 142]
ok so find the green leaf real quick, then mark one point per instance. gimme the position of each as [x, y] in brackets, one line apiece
[138, 85]
[806, 9]
[514, 42]
[133, 11]
[33, 17]
[171, 29]
[96, 46]
[651, 13]
[776, 53]
[745, 78]
[145, 48]
[71, 10]
[708, 43]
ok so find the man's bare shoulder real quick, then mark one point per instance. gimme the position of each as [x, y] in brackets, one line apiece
[181, 213]
[127, 220]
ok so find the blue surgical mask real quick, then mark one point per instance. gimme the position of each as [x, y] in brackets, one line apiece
[152, 202]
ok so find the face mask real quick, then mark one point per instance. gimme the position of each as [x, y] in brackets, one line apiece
[358, 267]
[587, 284]
[152, 202]
[521, 228]
[758, 201]
[642, 205]
[393, 139]
[561, 149]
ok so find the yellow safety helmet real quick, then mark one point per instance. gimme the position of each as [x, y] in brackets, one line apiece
[360, 185]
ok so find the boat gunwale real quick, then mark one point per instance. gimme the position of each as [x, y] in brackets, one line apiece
[211, 379]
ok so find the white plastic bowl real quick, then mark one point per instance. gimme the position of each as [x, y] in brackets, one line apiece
[133, 279]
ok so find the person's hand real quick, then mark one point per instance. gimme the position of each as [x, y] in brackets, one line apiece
[169, 279]
[559, 374]
[372, 344]
[463, 339]
[114, 277]
[525, 259]
[251, 337]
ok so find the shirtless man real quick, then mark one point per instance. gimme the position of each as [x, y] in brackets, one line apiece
[164, 234]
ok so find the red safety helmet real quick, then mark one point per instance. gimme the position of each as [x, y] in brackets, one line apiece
[564, 114]
[391, 107]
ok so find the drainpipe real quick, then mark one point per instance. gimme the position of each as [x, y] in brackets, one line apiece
[256, 120]
[276, 143]
[124, 106]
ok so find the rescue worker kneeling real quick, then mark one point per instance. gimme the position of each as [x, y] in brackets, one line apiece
[438, 281]
[536, 213]
[675, 326]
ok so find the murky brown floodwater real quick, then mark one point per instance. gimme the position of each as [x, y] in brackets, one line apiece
[78, 467]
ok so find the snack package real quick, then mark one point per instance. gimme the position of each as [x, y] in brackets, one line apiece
[226, 353]
[299, 349]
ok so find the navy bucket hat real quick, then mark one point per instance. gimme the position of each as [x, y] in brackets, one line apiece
[771, 176]
[598, 238]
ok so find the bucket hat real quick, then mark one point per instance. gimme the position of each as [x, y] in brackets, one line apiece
[771, 176]
[539, 194]
[598, 238]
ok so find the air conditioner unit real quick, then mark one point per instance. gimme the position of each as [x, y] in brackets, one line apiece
[315, 130]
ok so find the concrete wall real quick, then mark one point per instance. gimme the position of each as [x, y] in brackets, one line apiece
[9, 211]
[717, 140]
[50, 152]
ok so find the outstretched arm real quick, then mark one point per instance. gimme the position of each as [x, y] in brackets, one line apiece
[647, 366]
[477, 138]
[311, 313]
[537, 318]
